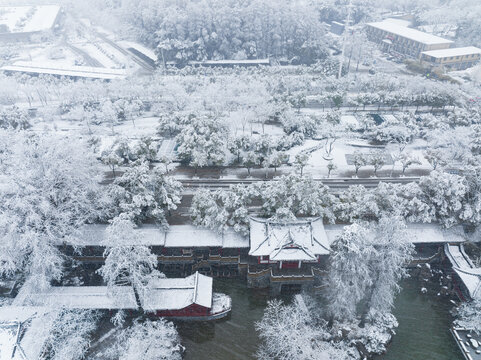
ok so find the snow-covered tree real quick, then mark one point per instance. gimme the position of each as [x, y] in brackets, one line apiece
[277, 159]
[330, 168]
[407, 160]
[290, 332]
[51, 192]
[147, 340]
[367, 263]
[111, 159]
[70, 335]
[145, 193]
[13, 117]
[127, 261]
[251, 159]
[146, 149]
[301, 160]
[220, 209]
[349, 274]
[393, 253]
[299, 195]
[202, 142]
[377, 159]
[435, 157]
[468, 315]
[445, 193]
[359, 160]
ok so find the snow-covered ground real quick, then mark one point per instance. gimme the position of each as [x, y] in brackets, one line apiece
[21, 19]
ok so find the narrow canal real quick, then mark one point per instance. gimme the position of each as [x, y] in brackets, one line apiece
[423, 331]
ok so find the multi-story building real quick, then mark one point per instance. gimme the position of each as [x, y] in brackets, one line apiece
[454, 58]
[404, 40]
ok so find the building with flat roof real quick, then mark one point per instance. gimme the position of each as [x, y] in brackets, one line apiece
[404, 40]
[453, 58]
[19, 23]
[74, 71]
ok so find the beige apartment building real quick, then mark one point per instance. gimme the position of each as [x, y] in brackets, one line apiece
[454, 58]
[404, 40]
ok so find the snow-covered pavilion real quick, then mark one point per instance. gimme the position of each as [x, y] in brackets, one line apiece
[290, 244]
[24, 331]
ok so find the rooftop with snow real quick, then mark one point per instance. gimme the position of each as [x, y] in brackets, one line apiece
[178, 293]
[301, 240]
[26, 19]
[176, 236]
[409, 33]
[75, 71]
[462, 51]
[24, 330]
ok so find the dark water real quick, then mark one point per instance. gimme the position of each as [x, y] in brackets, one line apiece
[424, 322]
[423, 332]
[233, 338]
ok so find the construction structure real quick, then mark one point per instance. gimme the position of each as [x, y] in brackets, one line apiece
[453, 58]
[277, 255]
[404, 40]
[73, 72]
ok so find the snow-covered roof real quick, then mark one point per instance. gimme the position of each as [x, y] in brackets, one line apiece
[409, 33]
[292, 241]
[49, 68]
[463, 266]
[42, 18]
[462, 51]
[193, 236]
[232, 62]
[417, 233]
[95, 235]
[189, 235]
[178, 293]
[79, 297]
[400, 22]
[140, 48]
[176, 236]
[34, 323]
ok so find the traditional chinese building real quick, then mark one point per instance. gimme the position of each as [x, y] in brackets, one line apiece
[190, 298]
[286, 254]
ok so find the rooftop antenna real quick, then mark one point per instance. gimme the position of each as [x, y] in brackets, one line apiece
[344, 40]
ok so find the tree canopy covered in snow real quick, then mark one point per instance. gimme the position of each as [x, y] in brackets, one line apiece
[212, 29]
[149, 340]
[285, 198]
[291, 332]
[71, 333]
[50, 191]
[144, 193]
[127, 261]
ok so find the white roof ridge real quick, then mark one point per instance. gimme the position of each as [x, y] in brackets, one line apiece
[196, 282]
[317, 241]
